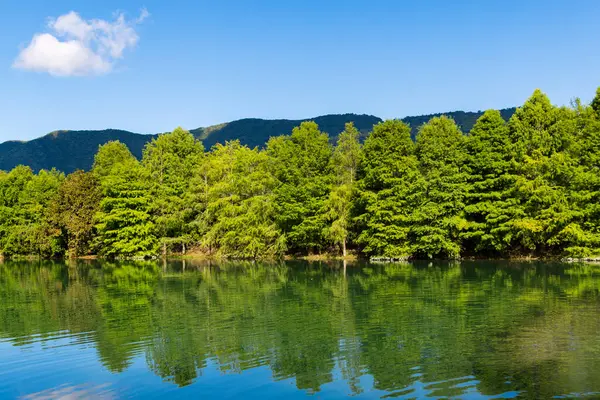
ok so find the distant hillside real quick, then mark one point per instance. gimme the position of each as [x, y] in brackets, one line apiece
[464, 119]
[71, 150]
[66, 150]
[256, 132]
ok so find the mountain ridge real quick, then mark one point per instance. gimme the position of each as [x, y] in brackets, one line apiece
[69, 150]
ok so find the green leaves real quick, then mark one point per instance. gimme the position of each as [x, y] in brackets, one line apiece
[438, 218]
[124, 223]
[24, 200]
[240, 211]
[389, 178]
[490, 202]
[73, 208]
[529, 187]
[301, 164]
[596, 103]
[338, 206]
[171, 161]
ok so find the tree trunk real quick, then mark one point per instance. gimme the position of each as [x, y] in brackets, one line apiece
[183, 249]
[344, 248]
[164, 250]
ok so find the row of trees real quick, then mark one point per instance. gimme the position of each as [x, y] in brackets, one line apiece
[527, 186]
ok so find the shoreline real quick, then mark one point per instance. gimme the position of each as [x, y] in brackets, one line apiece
[309, 258]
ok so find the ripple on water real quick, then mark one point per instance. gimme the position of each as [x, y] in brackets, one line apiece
[460, 387]
[66, 392]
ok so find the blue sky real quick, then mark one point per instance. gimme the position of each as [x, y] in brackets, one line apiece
[200, 63]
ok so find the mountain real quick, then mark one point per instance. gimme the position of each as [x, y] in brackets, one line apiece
[68, 151]
[464, 119]
[256, 132]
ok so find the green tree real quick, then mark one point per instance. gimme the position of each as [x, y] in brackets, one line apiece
[73, 209]
[239, 216]
[338, 206]
[301, 162]
[438, 220]
[12, 185]
[388, 179]
[542, 135]
[23, 224]
[581, 237]
[171, 160]
[124, 223]
[492, 168]
[108, 156]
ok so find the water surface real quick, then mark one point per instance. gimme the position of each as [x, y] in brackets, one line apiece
[472, 330]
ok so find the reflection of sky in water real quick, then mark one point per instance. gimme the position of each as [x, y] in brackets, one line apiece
[34, 369]
[31, 372]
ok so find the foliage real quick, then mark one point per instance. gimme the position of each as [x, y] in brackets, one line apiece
[490, 197]
[388, 179]
[344, 163]
[72, 211]
[171, 161]
[238, 219]
[24, 201]
[526, 187]
[124, 223]
[464, 120]
[438, 219]
[301, 163]
[69, 151]
[257, 132]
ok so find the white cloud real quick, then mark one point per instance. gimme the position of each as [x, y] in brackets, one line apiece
[76, 47]
[143, 15]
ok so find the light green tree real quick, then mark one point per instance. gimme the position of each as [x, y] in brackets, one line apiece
[301, 163]
[23, 226]
[338, 206]
[171, 160]
[542, 135]
[239, 216]
[124, 223]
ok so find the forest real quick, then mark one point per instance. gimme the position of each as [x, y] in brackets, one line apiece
[526, 187]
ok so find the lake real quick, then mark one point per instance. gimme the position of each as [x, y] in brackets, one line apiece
[469, 330]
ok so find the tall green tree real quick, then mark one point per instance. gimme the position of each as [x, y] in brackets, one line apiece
[388, 180]
[346, 155]
[438, 220]
[171, 160]
[338, 206]
[124, 223]
[581, 237]
[542, 135]
[490, 201]
[301, 163]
